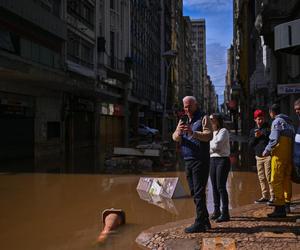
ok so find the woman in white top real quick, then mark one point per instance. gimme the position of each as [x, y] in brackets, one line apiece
[219, 168]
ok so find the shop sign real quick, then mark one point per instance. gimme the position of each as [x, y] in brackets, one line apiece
[13, 102]
[16, 107]
[111, 109]
[288, 89]
[104, 109]
[118, 110]
[159, 107]
[110, 81]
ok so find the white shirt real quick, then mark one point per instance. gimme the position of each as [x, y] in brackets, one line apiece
[219, 145]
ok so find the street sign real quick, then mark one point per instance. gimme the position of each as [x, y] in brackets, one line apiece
[288, 89]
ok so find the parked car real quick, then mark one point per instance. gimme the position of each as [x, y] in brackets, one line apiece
[144, 130]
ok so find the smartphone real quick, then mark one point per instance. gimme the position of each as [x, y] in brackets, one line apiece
[185, 119]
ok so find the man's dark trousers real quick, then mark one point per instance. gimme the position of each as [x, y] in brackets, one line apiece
[197, 177]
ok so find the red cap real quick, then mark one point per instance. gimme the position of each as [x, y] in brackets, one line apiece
[258, 113]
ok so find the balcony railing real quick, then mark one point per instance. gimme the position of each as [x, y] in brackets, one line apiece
[116, 64]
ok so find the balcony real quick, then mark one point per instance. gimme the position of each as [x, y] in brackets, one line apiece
[116, 64]
[36, 15]
[116, 68]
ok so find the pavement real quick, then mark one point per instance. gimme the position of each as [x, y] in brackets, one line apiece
[249, 228]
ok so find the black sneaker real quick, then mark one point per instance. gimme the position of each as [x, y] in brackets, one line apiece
[195, 228]
[207, 225]
[262, 200]
[287, 208]
[271, 203]
[279, 212]
[223, 218]
[215, 215]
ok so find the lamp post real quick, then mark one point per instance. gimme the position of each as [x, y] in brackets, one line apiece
[168, 57]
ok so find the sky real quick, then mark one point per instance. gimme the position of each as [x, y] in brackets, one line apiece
[219, 20]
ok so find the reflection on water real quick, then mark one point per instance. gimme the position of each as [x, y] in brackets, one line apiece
[53, 212]
[158, 200]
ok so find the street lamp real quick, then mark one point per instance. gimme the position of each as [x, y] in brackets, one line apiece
[168, 57]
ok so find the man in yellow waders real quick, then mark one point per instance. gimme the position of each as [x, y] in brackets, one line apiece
[280, 147]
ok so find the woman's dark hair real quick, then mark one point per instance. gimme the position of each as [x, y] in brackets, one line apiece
[219, 119]
[275, 108]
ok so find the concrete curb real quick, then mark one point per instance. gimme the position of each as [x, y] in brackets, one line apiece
[249, 227]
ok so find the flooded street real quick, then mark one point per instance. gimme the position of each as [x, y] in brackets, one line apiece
[57, 211]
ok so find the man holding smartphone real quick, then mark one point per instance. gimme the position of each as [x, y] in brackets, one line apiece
[194, 133]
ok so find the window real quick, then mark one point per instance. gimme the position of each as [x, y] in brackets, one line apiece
[73, 44]
[9, 42]
[87, 13]
[112, 49]
[86, 53]
[53, 6]
[79, 50]
[83, 11]
[73, 6]
[53, 130]
[38, 53]
[112, 4]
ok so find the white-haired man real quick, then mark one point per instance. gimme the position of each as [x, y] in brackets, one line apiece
[194, 134]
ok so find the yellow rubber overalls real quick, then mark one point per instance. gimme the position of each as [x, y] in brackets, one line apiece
[281, 168]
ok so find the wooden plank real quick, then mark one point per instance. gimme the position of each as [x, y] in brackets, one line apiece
[136, 152]
[218, 243]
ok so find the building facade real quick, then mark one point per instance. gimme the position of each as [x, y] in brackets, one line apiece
[280, 43]
[266, 57]
[243, 61]
[32, 85]
[145, 95]
[199, 58]
[66, 71]
[113, 71]
[186, 87]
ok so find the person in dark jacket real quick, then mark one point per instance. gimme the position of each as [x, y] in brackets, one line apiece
[194, 135]
[258, 140]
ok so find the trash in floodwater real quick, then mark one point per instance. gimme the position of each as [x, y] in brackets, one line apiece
[160, 201]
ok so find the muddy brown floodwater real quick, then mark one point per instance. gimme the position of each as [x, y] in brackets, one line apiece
[60, 211]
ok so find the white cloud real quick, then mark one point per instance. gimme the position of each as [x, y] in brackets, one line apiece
[208, 4]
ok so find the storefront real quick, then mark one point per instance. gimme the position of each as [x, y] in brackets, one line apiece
[111, 129]
[16, 133]
[80, 136]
